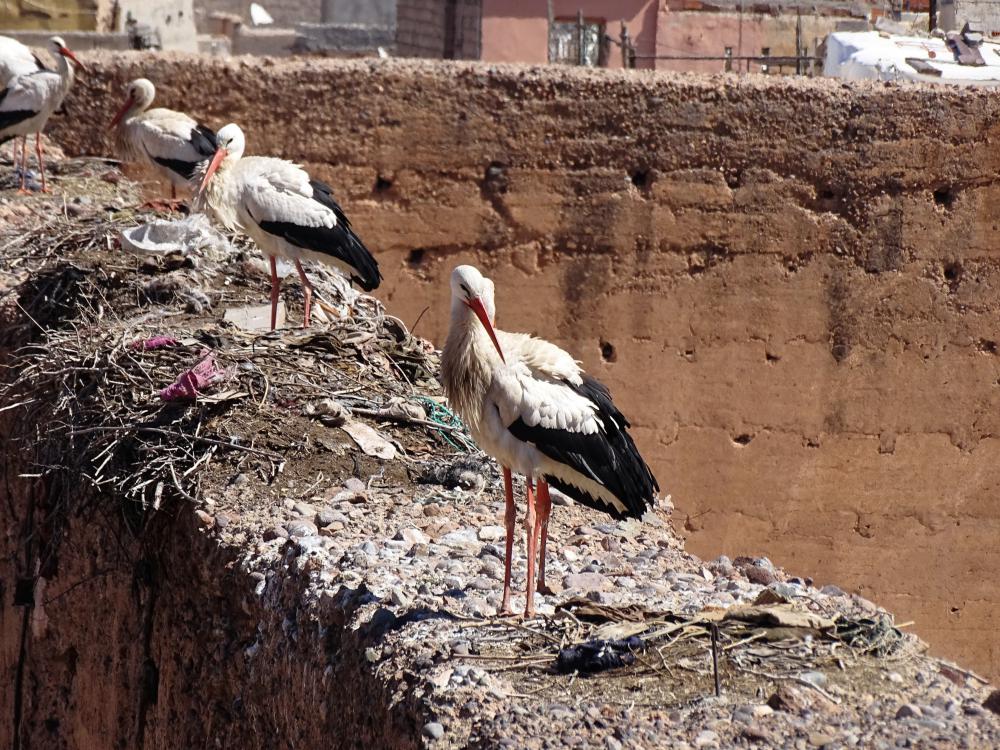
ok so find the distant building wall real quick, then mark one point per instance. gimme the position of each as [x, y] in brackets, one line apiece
[286, 13]
[439, 28]
[365, 12]
[173, 19]
[985, 12]
[290, 12]
[279, 42]
[515, 31]
[206, 9]
[53, 15]
[702, 33]
[78, 41]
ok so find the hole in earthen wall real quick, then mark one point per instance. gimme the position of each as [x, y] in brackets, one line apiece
[986, 346]
[953, 273]
[382, 184]
[642, 179]
[495, 179]
[944, 197]
[415, 258]
[608, 353]
[743, 439]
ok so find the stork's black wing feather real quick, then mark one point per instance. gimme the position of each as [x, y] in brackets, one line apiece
[204, 141]
[340, 241]
[608, 457]
[14, 117]
[185, 169]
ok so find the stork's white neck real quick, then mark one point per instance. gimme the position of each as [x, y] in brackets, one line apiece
[467, 365]
[221, 193]
[65, 70]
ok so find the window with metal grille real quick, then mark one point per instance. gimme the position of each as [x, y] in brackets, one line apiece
[565, 36]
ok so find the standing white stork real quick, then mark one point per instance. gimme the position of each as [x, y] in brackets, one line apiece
[285, 212]
[529, 405]
[171, 142]
[16, 59]
[29, 100]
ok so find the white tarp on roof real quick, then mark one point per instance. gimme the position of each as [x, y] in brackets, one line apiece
[874, 55]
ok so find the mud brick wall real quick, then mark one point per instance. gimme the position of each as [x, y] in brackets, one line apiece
[791, 286]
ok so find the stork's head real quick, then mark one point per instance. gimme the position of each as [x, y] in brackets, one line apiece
[231, 144]
[470, 289]
[138, 96]
[59, 48]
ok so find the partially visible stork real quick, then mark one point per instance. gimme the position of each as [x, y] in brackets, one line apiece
[288, 215]
[29, 99]
[16, 59]
[173, 143]
[529, 405]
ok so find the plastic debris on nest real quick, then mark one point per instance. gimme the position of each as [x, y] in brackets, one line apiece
[193, 233]
[598, 656]
[154, 342]
[194, 381]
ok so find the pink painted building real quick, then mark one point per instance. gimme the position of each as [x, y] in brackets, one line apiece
[665, 34]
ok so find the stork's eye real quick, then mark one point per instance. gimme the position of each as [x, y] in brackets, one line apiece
[465, 289]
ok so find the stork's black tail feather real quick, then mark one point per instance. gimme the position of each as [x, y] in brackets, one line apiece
[358, 256]
[609, 457]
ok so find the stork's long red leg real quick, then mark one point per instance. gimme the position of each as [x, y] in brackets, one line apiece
[544, 510]
[306, 291]
[509, 518]
[24, 163]
[530, 520]
[275, 291]
[41, 162]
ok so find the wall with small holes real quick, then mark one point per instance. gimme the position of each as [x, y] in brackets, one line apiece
[792, 286]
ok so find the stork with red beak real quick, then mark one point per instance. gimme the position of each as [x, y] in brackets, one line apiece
[29, 100]
[170, 142]
[16, 59]
[528, 404]
[287, 213]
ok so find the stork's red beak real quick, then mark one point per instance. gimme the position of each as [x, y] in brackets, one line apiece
[121, 112]
[67, 52]
[220, 154]
[476, 305]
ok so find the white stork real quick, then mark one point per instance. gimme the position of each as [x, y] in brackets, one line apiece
[16, 59]
[171, 142]
[29, 100]
[285, 212]
[529, 405]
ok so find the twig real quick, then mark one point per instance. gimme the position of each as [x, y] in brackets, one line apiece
[715, 659]
[791, 678]
[177, 484]
[379, 414]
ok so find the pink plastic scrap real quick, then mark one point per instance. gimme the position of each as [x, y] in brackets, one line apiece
[156, 342]
[195, 380]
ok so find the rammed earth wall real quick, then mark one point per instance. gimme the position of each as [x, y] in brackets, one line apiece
[791, 285]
